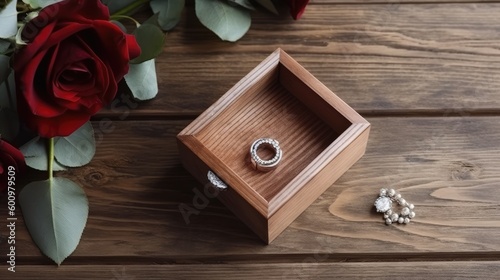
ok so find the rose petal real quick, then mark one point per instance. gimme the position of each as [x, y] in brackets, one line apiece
[61, 126]
[117, 46]
[297, 8]
[26, 53]
[76, 9]
[26, 87]
[82, 11]
[74, 58]
[62, 34]
[133, 46]
[105, 81]
[10, 155]
[83, 97]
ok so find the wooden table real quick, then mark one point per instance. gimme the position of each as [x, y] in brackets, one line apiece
[427, 77]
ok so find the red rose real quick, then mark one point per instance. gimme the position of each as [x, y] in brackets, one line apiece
[11, 161]
[71, 66]
[297, 7]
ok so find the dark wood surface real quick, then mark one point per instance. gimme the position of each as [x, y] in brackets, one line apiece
[425, 75]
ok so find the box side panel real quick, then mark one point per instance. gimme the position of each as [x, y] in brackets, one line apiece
[230, 198]
[316, 95]
[246, 213]
[284, 216]
[313, 101]
[268, 65]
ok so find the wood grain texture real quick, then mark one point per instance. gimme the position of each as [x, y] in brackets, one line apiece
[448, 167]
[308, 269]
[426, 76]
[281, 100]
[405, 59]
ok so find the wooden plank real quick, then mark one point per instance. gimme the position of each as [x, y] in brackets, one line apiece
[448, 167]
[308, 269]
[399, 58]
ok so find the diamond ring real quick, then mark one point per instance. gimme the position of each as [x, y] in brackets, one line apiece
[262, 164]
[216, 181]
[384, 202]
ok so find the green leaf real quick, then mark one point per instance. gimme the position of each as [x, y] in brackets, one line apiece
[9, 129]
[169, 12]
[243, 3]
[4, 46]
[40, 3]
[151, 40]
[4, 67]
[55, 213]
[76, 149]
[153, 20]
[7, 83]
[36, 155]
[19, 39]
[3, 4]
[268, 5]
[8, 18]
[141, 79]
[230, 23]
[8, 92]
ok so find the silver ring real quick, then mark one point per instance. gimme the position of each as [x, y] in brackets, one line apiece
[383, 204]
[261, 164]
[216, 181]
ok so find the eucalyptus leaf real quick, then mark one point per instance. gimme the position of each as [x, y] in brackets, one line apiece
[19, 38]
[40, 3]
[153, 20]
[7, 84]
[76, 149]
[151, 40]
[8, 18]
[55, 212]
[141, 79]
[268, 5]
[3, 3]
[5, 69]
[229, 22]
[169, 12]
[243, 3]
[9, 129]
[36, 155]
[4, 46]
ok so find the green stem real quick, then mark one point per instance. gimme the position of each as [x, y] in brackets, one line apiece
[130, 8]
[51, 158]
[118, 17]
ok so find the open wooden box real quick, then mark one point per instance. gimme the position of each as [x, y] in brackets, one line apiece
[320, 135]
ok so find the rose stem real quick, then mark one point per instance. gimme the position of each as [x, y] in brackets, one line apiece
[51, 158]
[130, 8]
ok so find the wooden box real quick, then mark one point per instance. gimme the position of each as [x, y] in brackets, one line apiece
[320, 135]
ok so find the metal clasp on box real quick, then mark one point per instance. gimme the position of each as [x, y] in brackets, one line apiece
[216, 181]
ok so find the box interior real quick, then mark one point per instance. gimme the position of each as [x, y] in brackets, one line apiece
[280, 106]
